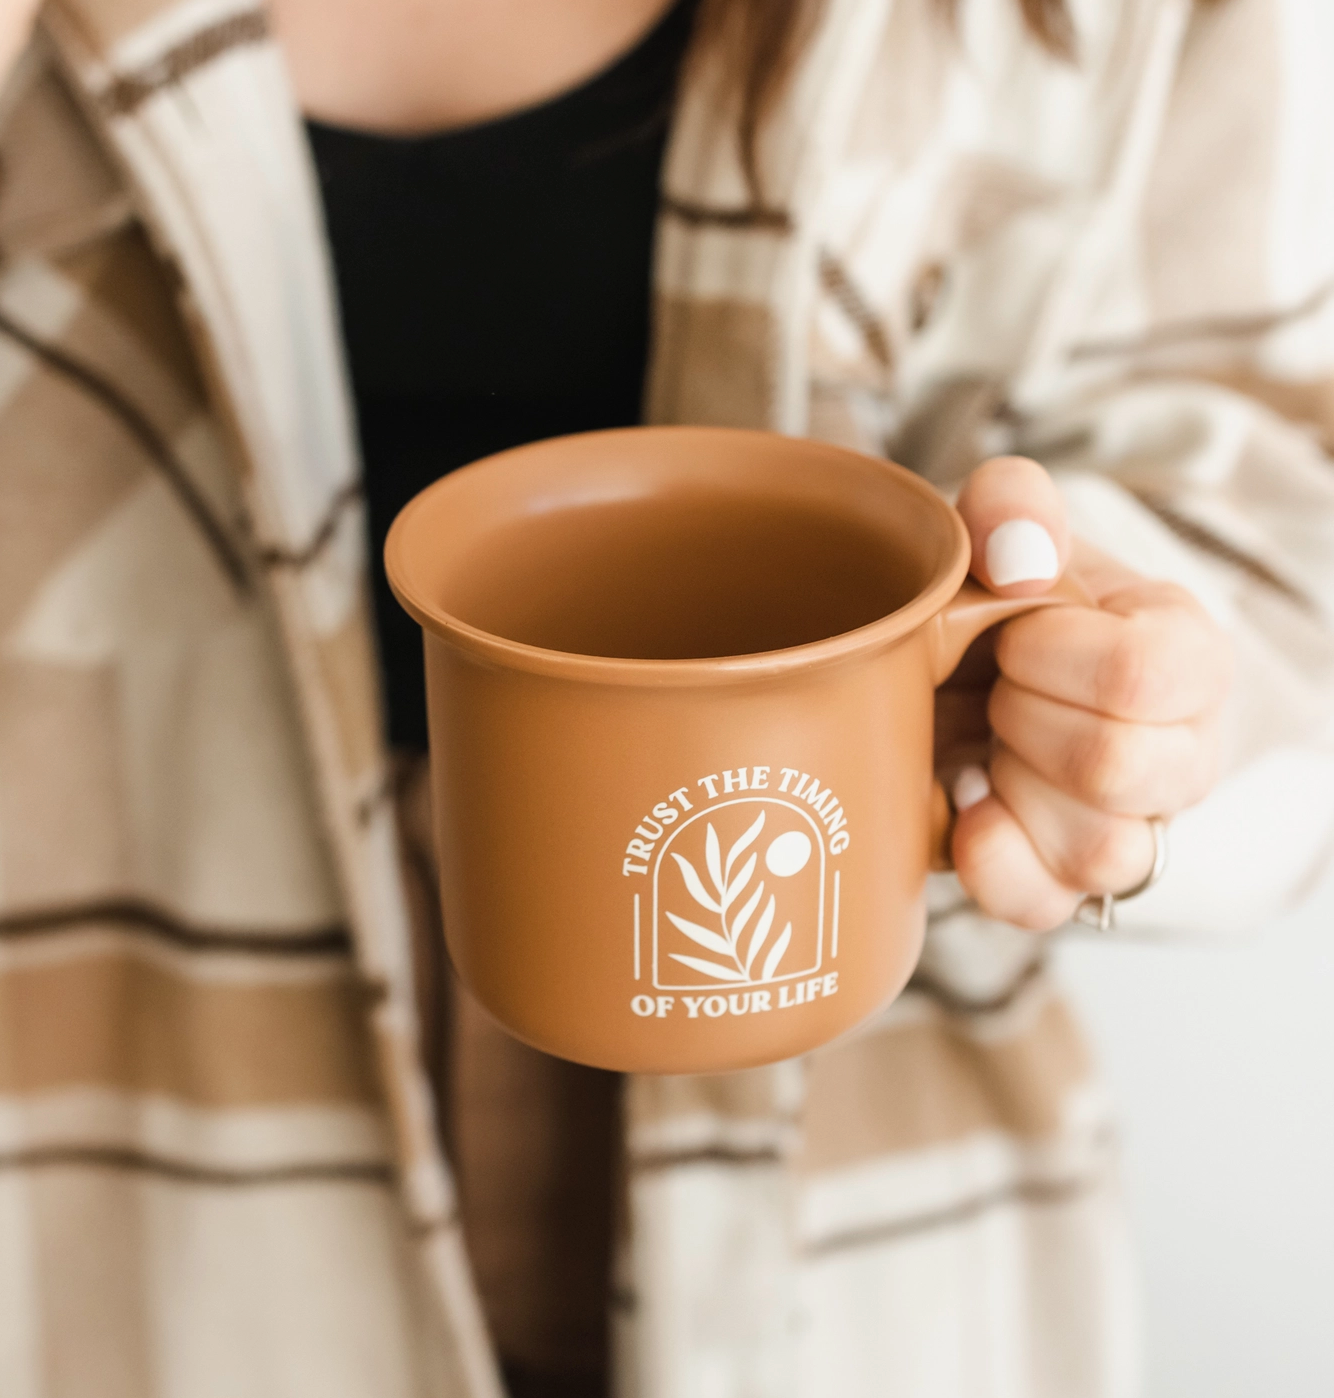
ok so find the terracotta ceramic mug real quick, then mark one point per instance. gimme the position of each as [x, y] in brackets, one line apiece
[680, 693]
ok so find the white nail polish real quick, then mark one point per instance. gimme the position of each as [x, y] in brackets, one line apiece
[1021, 550]
[971, 786]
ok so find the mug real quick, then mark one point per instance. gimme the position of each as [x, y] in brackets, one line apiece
[680, 691]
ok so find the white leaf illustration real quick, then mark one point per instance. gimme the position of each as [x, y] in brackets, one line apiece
[776, 954]
[761, 932]
[709, 940]
[695, 884]
[713, 856]
[738, 883]
[743, 844]
[709, 968]
[743, 917]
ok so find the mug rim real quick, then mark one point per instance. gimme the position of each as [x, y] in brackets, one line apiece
[520, 655]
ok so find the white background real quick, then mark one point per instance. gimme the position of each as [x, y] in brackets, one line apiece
[1221, 1061]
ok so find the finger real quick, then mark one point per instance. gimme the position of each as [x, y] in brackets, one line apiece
[1083, 848]
[1161, 660]
[997, 864]
[1016, 520]
[1130, 769]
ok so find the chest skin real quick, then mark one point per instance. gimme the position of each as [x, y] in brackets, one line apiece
[407, 66]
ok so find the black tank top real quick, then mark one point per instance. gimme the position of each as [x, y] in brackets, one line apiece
[494, 289]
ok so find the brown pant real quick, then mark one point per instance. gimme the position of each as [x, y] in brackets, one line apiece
[532, 1140]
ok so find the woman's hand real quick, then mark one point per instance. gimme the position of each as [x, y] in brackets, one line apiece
[1096, 720]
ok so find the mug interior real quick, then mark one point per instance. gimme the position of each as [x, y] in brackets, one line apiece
[670, 544]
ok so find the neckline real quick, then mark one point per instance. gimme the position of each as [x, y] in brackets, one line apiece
[644, 47]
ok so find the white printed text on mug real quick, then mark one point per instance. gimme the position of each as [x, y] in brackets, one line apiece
[740, 895]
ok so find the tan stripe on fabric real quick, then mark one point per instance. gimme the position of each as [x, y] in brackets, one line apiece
[86, 379]
[67, 464]
[119, 1021]
[57, 182]
[127, 333]
[711, 362]
[69, 454]
[131, 295]
[930, 1082]
[60, 771]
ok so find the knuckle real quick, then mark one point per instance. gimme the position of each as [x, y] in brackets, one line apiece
[1131, 679]
[1170, 594]
[1105, 765]
[1089, 857]
[990, 863]
[1098, 858]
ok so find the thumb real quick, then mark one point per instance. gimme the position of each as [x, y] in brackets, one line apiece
[1016, 520]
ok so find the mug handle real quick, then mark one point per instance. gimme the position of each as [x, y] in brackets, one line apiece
[971, 611]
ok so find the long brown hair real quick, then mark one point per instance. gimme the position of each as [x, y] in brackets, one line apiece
[763, 39]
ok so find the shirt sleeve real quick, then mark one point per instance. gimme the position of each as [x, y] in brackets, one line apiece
[1193, 439]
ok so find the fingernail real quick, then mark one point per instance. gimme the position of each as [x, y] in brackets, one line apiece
[1020, 550]
[971, 786]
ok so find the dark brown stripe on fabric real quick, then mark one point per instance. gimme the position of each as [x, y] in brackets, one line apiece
[850, 300]
[1192, 532]
[1023, 1192]
[127, 93]
[144, 918]
[708, 216]
[705, 1155]
[184, 1172]
[1205, 328]
[275, 556]
[103, 391]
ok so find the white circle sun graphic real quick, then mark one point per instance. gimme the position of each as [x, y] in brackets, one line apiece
[788, 853]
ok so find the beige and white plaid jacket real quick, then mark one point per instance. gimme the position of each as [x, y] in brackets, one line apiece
[218, 1169]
